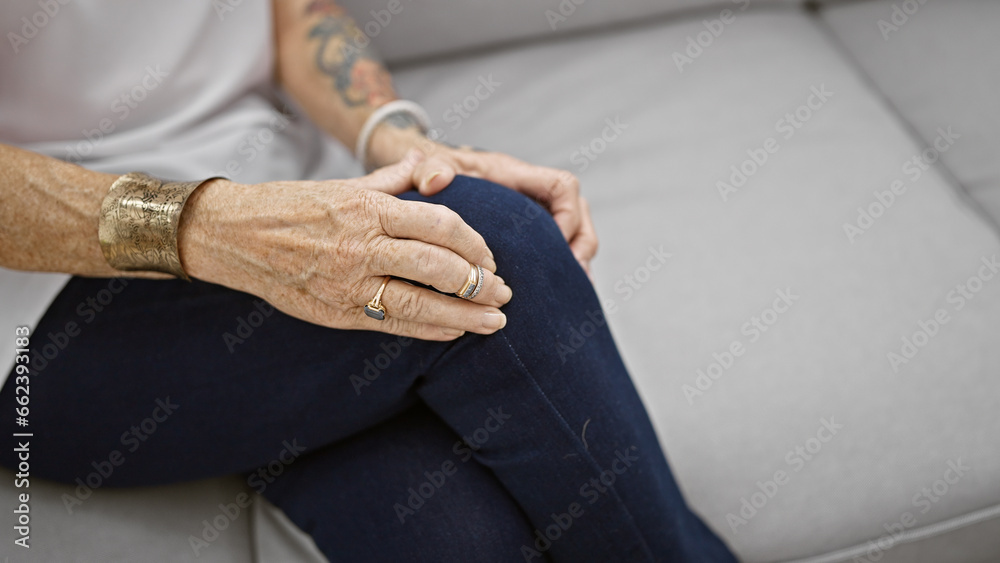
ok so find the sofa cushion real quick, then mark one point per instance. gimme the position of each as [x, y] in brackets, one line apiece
[937, 64]
[791, 301]
[276, 539]
[138, 524]
[406, 30]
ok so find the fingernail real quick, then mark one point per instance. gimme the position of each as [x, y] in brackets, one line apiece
[453, 332]
[489, 264]
[427, 182]
[494, 321]
[489, 252]
[503, 292]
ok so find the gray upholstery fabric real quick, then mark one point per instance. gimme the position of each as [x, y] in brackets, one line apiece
[125, 525]
[938, 67]
[277, 540]
[827, 357]
[669, 137]
[415, 30]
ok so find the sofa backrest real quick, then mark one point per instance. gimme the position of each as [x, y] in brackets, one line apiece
[410, 29]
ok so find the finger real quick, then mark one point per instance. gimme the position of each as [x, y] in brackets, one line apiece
[410, 329]
[433, 175]
[437, 267]
[333, 315]
[396, 178]
[407, 302]
[584, 244]
[558, 190]
[437, 225]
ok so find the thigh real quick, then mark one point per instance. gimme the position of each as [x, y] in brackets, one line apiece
[184, 381]
[399, 492]
[181, 381]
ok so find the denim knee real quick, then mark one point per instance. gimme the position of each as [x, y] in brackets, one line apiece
[524, 238]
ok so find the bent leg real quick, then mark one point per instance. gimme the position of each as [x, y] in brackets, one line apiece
[608, 492]
[397, 492]
[555, 418]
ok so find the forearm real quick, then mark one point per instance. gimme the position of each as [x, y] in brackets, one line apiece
[49, 211]
[328, 65]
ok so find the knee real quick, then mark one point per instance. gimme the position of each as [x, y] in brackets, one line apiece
[519, 231]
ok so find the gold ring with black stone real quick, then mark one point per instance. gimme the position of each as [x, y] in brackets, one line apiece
[374, 308]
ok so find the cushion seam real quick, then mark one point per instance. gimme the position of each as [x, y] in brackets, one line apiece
[908, 536]
[957, 188]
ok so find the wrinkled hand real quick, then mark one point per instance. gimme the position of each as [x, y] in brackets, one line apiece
[319, 251]
[557, 190]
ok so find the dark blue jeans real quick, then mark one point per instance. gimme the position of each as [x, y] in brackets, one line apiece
[527, 445]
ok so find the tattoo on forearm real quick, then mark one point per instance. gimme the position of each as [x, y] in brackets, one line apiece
[344, 53]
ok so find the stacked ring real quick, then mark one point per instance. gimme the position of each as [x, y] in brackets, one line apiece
[470, 282]
[474, 284]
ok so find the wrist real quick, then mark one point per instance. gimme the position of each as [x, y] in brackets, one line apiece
[389, 132]
[390, 143]
[204, 232]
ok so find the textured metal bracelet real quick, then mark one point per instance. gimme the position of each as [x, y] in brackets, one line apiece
[138, 224]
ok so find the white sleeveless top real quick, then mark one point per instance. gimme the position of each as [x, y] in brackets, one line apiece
[181, 90]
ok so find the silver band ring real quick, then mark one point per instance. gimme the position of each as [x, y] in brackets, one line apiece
[475, 283]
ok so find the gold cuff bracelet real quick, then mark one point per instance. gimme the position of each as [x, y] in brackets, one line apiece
[138, 224]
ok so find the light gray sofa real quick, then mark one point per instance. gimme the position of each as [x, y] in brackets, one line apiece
[825, 379]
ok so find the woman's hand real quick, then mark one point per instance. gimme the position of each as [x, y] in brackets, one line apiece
[319, 251]
[310, 38]
[557, 190]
